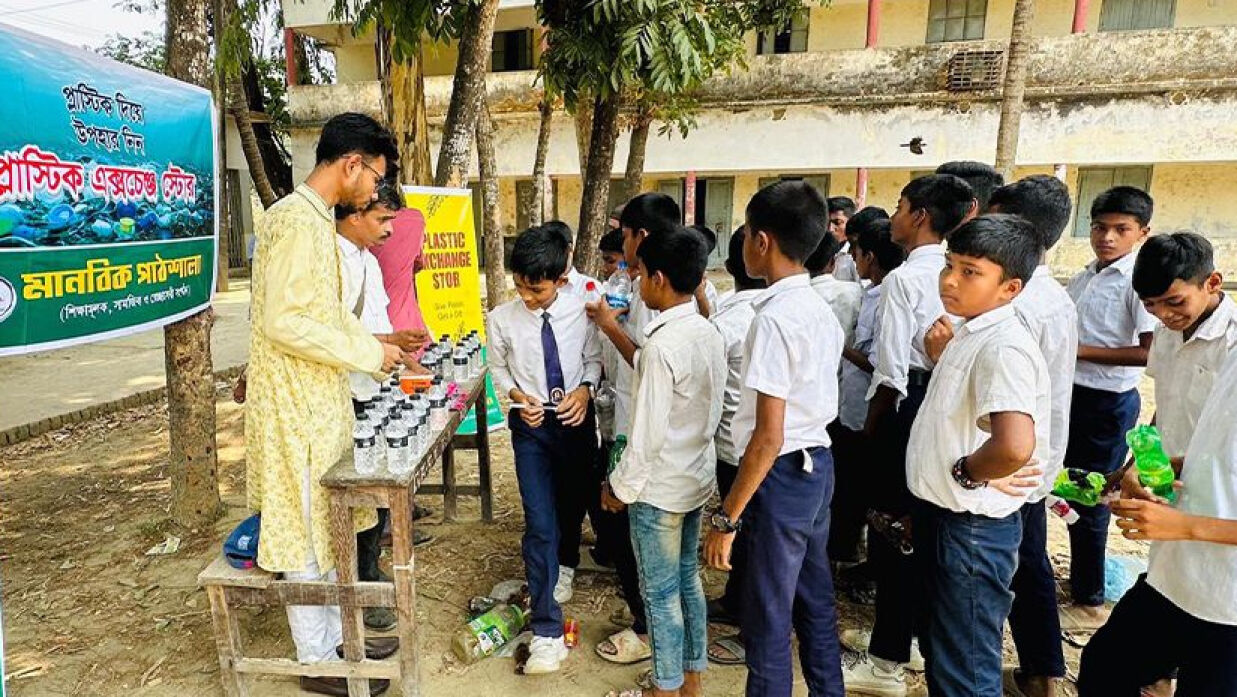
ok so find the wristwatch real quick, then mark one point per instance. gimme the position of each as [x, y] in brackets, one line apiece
[592, 389]
[723, 524]
[963, 478]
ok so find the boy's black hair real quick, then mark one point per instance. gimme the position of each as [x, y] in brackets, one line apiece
[864, 218]
[707, 234]
[735, 265]
[388, 197]
[539, 254]
[877, 237]
[1041, 199]
[650, 211]
[818, 261]
[1165, 258]
[563, 229]
[678, 254]
[354, 133]
[946, 197]
[983, 178]
[1009, 241]
[1124, 200]
[793, 213]
[844, 204]
[611, 242]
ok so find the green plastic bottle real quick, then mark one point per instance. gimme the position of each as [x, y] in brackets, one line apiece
[616, 453]
[488, 633]
[1155, 470]
[1080, 486]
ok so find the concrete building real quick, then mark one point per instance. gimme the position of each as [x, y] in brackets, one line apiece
[1118, 91]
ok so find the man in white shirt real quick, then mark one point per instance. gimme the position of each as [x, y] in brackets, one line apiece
[910, 303]
[1114, 335]
[985, 418]
[841, 210]
[1189, 594]
[843, 297]
[577, 283]
[1048, 314]
[544, 355]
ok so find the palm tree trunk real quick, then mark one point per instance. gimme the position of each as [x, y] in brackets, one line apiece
[635, 152]
[192, 459]
[238, 106]
[466, 94]
[495, 274]
[1014, 90]
[403, 104]
[537, 206]
[596, 195]
[584, 132]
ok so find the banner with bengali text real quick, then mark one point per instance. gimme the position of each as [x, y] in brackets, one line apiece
[449, 281]
[107, 196]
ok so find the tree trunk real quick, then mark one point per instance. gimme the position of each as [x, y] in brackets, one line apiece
[238, 106]
[635, 153]
[192, 460]
[403, 104]
[275, 156]
[596, 195]
[1014, 90]
[495, 274]
[537, 207]
[224, 228]
[467, 92]
[584, 132]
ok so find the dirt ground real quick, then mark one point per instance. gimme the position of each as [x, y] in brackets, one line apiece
[87, 612]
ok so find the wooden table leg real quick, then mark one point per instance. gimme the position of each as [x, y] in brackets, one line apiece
[227, 641]
[450, 497]
[343, 539]
[405, 590]
[483, 458]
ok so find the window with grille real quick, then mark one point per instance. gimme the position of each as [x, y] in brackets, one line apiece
[1128, 15]
[956, 20]
[1093, 181]
[974, 70]
[512, 50]
[791, 39]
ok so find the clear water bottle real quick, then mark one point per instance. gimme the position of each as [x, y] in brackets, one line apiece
[365, 454]
[591, 292]
[437, 389]
[438, 414]
[407, 416]
[605, 401]
[363, 425]
[399, 453]
[619, 288]
[423, 435]
[428, 359]
[459, 364]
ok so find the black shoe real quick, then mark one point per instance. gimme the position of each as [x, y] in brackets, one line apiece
[376, 648]
[380, 619]
[720, 615]
[419, 512]
[339, 686]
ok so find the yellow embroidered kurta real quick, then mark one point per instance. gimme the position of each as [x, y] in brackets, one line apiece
[298, 411]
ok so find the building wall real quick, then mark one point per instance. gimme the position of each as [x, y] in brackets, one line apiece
[355, 63]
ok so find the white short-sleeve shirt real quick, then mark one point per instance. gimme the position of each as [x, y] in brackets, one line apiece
[991, 365]
[1110, 315]
[844, 298]
[909, 304]
[1185, 371]
[853, 411]
[732, 320]
[1201, 577]
[793, 349]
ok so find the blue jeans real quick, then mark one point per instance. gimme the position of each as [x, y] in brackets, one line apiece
[787, 581]
[967, 563]
[666, 554]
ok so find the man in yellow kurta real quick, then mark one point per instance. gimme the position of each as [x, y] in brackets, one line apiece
[304, 342]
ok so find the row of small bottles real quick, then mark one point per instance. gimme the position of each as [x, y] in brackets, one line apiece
[456, 362]
[393, 430]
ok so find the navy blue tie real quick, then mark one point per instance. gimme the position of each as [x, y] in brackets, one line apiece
[556, 388]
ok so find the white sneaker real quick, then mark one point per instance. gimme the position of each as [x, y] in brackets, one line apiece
[545, 655]
[861, 675]
[858, 640]
[562, 589]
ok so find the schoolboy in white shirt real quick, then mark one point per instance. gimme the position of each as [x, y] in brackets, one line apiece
[843, 297]
[841, 210]
[985, 418]
[543, 350]
[1114, 335]
[577, 283]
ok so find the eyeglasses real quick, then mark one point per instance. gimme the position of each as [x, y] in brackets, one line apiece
[377, 175]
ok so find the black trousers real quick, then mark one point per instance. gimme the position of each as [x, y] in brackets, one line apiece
[1033, 618]
[1148, 636]
[852, 481]
[732, 597]
[368, 550]
[614, 536]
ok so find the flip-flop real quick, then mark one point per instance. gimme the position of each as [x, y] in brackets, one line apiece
[636, 692]
[628, 648]
[645, 679]
[732, 644]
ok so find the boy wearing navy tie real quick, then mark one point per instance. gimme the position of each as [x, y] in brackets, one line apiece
[543, 351]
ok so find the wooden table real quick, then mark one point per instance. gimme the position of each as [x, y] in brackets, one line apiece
[349, 490]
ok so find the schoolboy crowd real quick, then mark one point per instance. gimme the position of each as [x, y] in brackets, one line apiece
[920, 376]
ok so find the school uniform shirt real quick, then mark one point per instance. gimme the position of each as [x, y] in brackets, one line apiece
[909, 304]
[622, 379]
[1201, 577]
[732, 320]
[791, 352]
[1185, 371]
[991, 365]
[844, 265]
[360, 273]
[516, 358]
[577, 283]
[1111, 315]
[844, 298]
[670, 461]
[1048, 314]
[853, 410]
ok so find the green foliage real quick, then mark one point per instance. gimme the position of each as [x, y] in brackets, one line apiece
[407, 20]
[146, 50]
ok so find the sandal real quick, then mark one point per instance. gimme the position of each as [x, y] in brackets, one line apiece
[644, 685]
[732, 644]
[636, 692]
[645, 679]
[624, 648]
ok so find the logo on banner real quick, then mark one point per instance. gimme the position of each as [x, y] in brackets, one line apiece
[8, 298]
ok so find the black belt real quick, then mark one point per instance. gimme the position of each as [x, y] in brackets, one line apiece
[918, 378]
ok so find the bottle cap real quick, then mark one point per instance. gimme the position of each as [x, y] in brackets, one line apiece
[397, 440]
[364, 441]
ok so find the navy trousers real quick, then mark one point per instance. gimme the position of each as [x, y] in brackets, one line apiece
[732, 597]
[1098, 422]
[1033, 619]
[788, 584]
[852, 489]
[554, 465]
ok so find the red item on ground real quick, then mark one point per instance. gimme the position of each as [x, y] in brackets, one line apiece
[571, 632]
